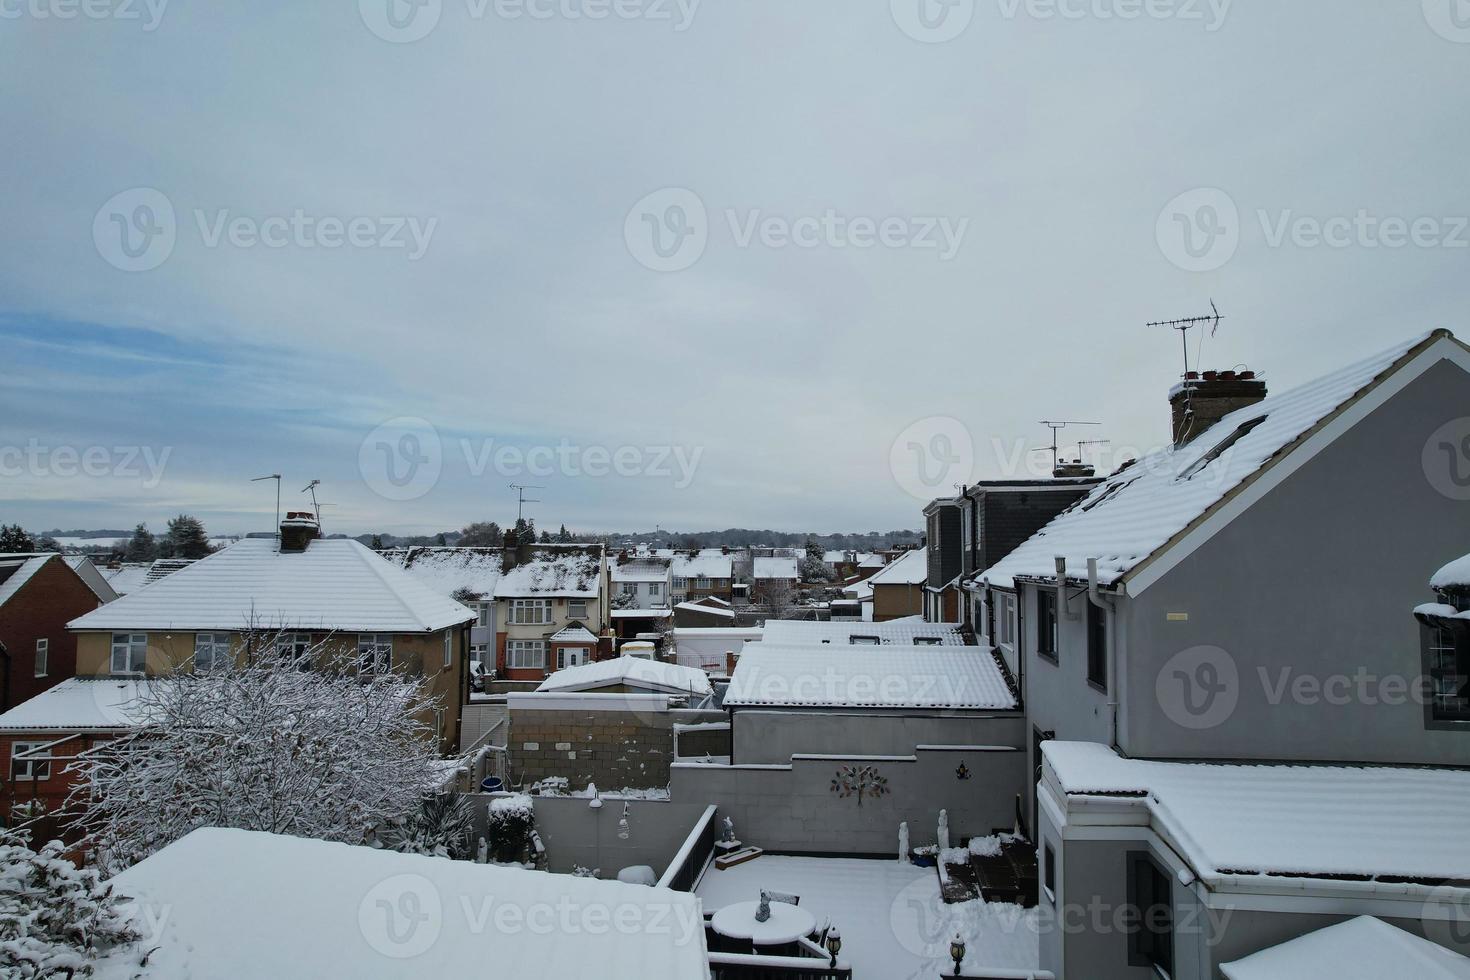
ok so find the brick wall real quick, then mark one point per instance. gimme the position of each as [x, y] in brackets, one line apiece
[52, 597]
[614, 749]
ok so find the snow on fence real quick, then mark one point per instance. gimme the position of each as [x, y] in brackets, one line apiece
[693, 856]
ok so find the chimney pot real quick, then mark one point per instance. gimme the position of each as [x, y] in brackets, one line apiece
[298, 530]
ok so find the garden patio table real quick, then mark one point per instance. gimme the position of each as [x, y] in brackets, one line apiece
[787, 923]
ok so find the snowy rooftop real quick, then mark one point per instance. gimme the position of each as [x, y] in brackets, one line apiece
[774, 568]
[871, 561]
[1363, 948]
[273, 906]
[631, 671]
[335, 584]
[708, 564]
[701, 607]
[1455, 574]
[1303, 821]
[793, 632]
[1137, 511]
[16, 571]
[642, 613]
[640, 570]
[78, 704]
[909, 568]
[934, 677]
[472, 571]
[574, 633]
[126, 578]
[894, 924]
[575, 574]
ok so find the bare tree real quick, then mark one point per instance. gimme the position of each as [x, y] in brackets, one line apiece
[259, 743]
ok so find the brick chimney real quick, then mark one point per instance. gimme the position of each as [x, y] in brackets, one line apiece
[298, 530]
[1202, 400]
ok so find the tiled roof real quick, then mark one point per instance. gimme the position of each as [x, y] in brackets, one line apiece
[78, 704]
[576, 574]
[1138, 510]
[773, 674]
[474, 571]
[335, 584]
[909, 568]
[766, 568]
[17, 571]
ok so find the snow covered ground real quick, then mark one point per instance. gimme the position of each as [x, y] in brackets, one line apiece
[894, 924]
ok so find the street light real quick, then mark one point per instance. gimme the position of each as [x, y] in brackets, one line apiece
[957, 952]
[834, 944]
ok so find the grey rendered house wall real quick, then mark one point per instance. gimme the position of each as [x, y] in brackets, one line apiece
[1319, 577]
[773, 737]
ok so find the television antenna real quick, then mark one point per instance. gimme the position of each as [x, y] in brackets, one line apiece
[522, 499]
[1186, 324]
[1056, 428]
[277, 478]
[1090, 442]
[316, 507]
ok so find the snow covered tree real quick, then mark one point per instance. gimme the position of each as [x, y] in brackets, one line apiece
[778, 596]
[814, 566]
[56, 919]
[523, 533]
[141, 546]
[47, 543]
[564, 536]
[13, 538]
[186, 538]
[481, 534]
[260, 744]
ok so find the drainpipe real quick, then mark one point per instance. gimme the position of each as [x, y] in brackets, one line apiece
[1108, 604]
[1062, 600]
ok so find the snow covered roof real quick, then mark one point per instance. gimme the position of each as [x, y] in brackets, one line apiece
[1454, 575]
[79, 704]
[273, 906]
[16, 570]
[1138, 511]
[705, 565]
[765, 568]
[576, 574]
[632, 672]
[127, 578]
[642, 613]
[1292, 820]
[335, 584]
[471, 571]
[871, 561]
[94, 578]
[640, 570]
[702, 607]
[794, 632]
[868, 676]
[1363, 948]
[909, 568]
[574, 633]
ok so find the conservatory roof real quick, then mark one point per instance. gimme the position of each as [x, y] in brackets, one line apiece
[932, 677]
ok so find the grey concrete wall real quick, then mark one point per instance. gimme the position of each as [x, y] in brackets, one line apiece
[576, 834]
[773, 737]
[793, 807]
[1319, 577]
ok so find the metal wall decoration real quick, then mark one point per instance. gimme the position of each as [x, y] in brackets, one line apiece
[859, 781]
[963, 772]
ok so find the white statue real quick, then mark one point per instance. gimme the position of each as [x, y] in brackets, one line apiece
[729, 833]
[482, 852]
[903, 842]
[943, 830]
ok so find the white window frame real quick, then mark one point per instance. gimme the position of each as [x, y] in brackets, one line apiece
[374, 653]
[704, 582]
[572, 605]
[654, 589]
[43, 656]
[30, 770]
[520, 609]
[132, 644]
[208, 650]
[1005, 620]
[680, 582]
[572, 657]
[525, 654]
[296, 646]
[482, 614]
[448, 648]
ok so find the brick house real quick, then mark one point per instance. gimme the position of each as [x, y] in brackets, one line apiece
[551, 610]
[697, 574]
[39, 595]
[898, 589]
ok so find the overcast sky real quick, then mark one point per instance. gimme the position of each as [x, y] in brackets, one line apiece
[763, 263]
